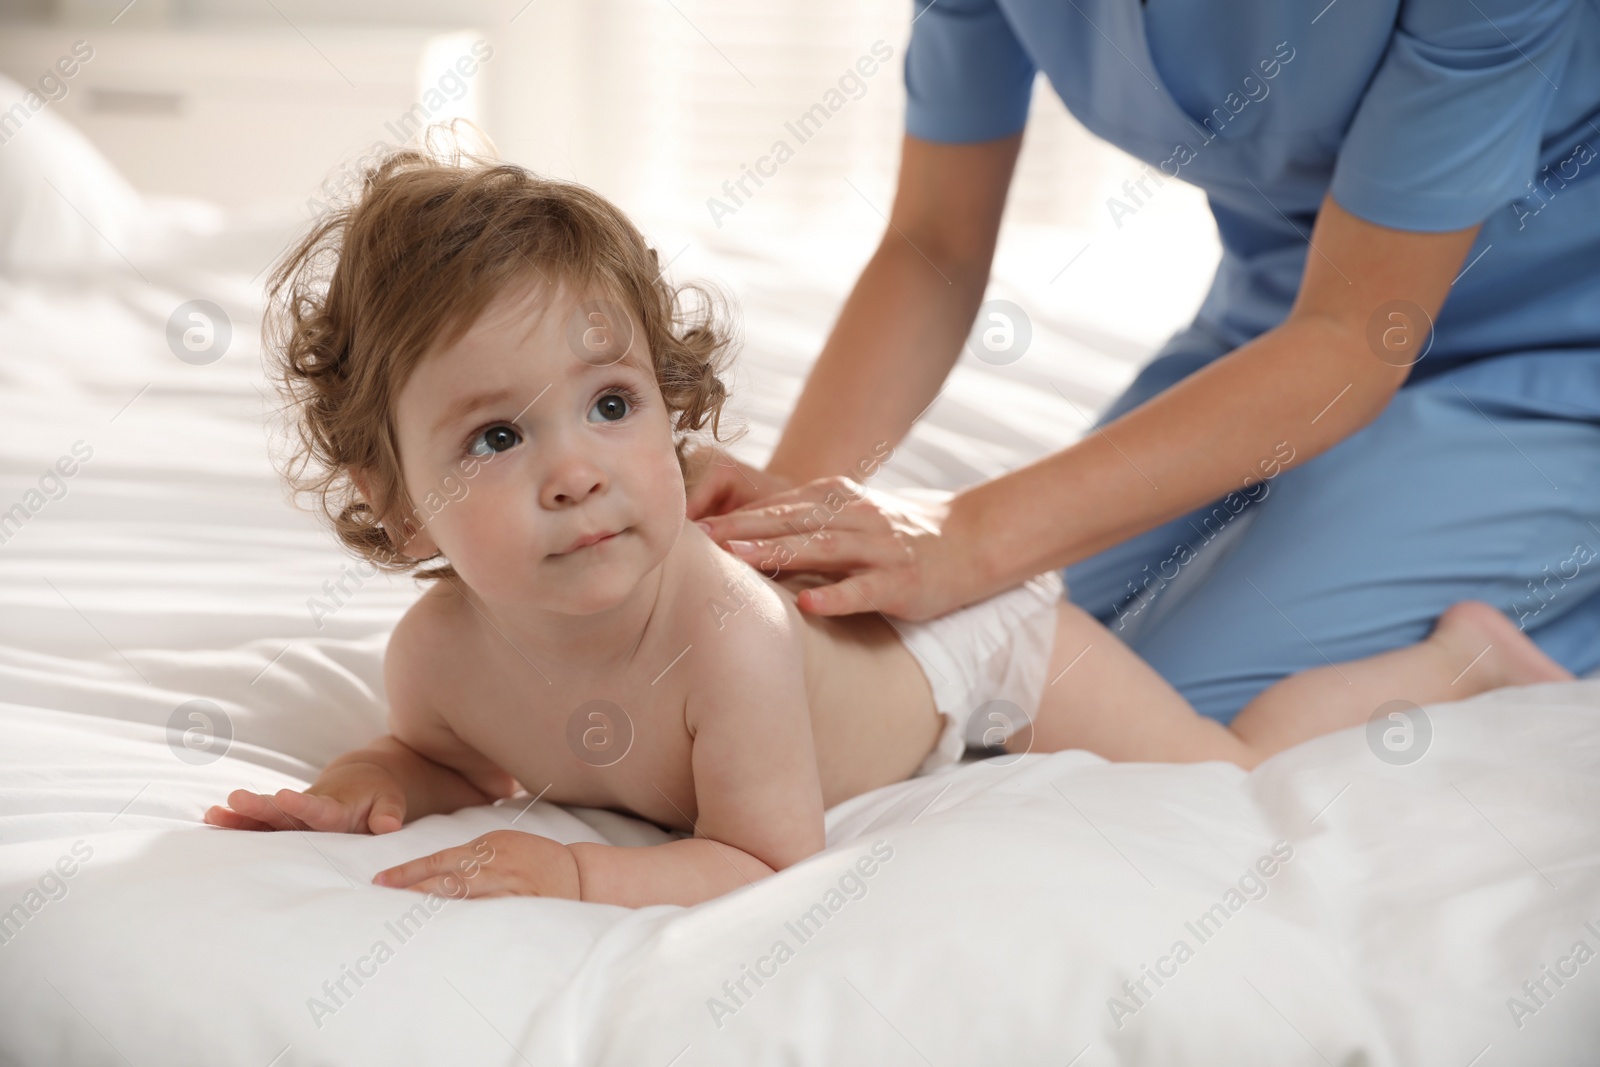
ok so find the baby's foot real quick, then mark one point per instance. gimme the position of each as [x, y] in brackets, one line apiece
[1489, 649]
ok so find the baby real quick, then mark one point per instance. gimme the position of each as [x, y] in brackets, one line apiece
[492, 382]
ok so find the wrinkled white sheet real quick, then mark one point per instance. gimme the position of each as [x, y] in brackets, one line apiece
[1005, 907]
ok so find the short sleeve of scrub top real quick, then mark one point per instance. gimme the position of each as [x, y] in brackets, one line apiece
[1450, 127]
[967, 76]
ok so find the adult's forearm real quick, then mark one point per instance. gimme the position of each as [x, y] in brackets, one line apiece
[1294, 391]
[686, 872]
[898, 335]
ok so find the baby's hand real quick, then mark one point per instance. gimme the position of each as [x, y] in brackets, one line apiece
[500, 863]
[352, 798]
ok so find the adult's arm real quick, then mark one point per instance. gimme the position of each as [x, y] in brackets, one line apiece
[1310, 382]
[1318, 377]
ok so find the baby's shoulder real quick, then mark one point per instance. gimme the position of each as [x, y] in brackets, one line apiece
[430, 620]
[422, 651]
[721, 594]
[741, 626]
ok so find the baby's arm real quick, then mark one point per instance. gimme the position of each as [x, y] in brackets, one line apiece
[756, 786]
[755, 781]
[421, 768]
[373, 789]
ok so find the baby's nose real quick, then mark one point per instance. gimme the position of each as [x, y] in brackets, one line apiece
[573, 482]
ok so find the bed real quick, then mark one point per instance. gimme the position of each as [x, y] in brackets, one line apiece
[172, 629]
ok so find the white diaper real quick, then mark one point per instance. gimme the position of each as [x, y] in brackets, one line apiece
[995, 650]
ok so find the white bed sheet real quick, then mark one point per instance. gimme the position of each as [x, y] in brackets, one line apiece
[1017, 900]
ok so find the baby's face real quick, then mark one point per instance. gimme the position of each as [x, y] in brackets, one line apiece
[572, 439]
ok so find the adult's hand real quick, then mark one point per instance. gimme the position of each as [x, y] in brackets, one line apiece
[901, 556]
[722, 483]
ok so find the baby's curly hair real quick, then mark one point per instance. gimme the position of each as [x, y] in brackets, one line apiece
[377, 284]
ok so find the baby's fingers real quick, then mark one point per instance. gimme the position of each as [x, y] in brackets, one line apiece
[455, 887]
[388, 813]
[262, 809]
[319, 812]
[405, 875]
[217, 815]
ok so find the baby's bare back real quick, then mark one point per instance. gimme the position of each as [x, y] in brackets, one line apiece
[612, 729]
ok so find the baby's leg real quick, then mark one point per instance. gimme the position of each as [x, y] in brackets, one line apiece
[1099, 695]
[1102, 697]
[1473, 648]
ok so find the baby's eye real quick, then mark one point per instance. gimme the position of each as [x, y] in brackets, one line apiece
[611, 407]
[494, 440]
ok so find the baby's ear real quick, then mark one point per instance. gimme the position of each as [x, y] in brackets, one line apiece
[363, 481]
[408, 535]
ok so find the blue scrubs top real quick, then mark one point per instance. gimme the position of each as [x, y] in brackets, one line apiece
[1427, 115]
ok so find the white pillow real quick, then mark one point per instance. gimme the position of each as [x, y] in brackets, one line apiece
[62, 204]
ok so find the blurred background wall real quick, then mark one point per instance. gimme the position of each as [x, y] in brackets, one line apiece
[261, 106]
